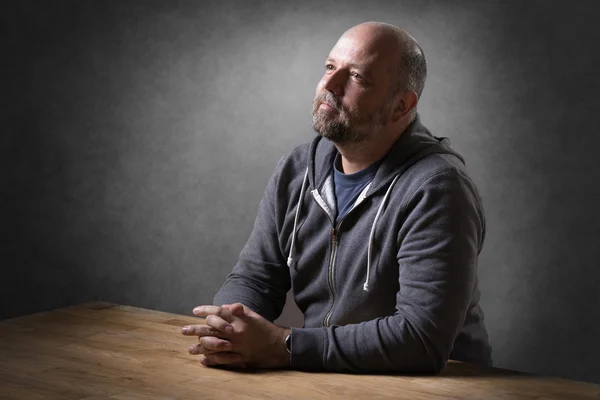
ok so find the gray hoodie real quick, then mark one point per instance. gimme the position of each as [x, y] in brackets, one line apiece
[393, 286]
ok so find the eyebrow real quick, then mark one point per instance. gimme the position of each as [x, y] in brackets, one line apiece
[360, 67]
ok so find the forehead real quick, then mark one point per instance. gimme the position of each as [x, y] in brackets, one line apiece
[358, 51]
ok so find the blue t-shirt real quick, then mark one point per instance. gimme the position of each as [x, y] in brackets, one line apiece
[349, 186]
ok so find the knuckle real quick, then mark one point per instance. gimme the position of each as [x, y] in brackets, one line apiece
[222, 345]
[209, 330]
[225, 313]
[211, 343]
[215, 322]
[216, 332]
[203, 342]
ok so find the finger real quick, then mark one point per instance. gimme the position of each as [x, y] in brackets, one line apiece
[199, 349]
[236, 309]
[204, 311]
[201, 330]
[219, 324]
[227, 358]
[214, 343]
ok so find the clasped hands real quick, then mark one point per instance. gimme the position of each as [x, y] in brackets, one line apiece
[235, 336]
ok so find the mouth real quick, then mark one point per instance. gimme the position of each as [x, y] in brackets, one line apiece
[327, 106]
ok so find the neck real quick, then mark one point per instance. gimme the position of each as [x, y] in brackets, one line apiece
[358, 156]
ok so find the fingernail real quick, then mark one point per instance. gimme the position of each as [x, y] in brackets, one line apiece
[203, 360]
[185, 329]
[190, 349]
[229, 329]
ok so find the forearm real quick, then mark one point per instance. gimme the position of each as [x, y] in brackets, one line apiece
[264, 300]
[236, 289]
[390, 344]
[261, 278]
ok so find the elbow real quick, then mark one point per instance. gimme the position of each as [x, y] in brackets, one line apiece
[425, 354]
[437, 364]
[435, 359]
[428, 357]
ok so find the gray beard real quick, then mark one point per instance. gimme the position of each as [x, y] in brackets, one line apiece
[341, 129]
[337, 131]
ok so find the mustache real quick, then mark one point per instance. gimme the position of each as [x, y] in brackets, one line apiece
[327, 97]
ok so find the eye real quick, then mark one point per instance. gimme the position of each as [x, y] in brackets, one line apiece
[356, 75]
[329, 67]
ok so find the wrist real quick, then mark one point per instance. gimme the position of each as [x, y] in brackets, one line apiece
[284, 348]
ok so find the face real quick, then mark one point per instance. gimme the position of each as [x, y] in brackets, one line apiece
[352, 100]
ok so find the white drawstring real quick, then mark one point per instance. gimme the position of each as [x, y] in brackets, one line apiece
[383, 202]
[290, 259]
[371, 236]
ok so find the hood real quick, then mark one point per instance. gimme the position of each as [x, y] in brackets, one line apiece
[415, 143]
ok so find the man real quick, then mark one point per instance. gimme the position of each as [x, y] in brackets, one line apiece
[381, 227]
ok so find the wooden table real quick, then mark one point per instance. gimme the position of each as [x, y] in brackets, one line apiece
[107, 351]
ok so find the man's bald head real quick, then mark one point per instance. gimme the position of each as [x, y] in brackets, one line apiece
[408, 68]
[373, 78]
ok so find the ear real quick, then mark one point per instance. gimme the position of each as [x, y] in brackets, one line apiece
[404, 103]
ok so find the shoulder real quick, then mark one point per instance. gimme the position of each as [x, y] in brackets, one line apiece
[443, 176]
[441, 190]
[437, 166]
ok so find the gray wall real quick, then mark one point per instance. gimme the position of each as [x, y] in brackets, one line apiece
[137, 138]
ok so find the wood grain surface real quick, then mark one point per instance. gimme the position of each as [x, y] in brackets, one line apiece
[106, 351]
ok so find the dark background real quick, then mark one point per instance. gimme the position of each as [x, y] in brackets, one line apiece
[138, 136]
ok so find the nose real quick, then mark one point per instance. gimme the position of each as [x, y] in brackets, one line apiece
[334, 82]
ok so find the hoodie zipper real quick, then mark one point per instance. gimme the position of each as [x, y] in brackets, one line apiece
[331, 272]
[334, 245]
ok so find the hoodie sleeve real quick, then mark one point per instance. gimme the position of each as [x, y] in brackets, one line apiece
[439, 237]
[260, 279]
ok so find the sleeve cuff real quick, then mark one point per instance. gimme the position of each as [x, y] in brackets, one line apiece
[308, 348]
